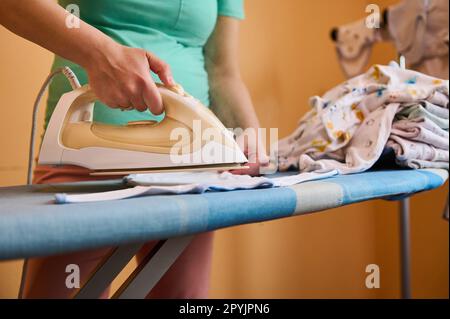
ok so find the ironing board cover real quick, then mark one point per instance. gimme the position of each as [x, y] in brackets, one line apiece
[32, 225]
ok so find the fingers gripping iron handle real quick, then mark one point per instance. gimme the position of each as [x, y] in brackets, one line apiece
[178, 106]
[181, 111]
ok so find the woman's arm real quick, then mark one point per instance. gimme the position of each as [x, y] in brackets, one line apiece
[230, 99]
[118, 75]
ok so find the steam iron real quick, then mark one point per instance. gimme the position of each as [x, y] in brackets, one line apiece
[190, 137]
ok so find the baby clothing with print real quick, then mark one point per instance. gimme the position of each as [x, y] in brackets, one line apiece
[406, 149]
[348, 128]
[419, 132]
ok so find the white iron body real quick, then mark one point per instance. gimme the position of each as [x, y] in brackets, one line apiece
[72, 138]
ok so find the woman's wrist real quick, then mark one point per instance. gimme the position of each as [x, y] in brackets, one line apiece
[100, 51]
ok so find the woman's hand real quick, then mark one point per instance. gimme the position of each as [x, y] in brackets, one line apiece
[254, 149]
[120, 78]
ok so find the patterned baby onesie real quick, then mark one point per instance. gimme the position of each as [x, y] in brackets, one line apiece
[348, 128]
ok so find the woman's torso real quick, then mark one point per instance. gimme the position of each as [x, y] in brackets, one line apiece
[174, 30]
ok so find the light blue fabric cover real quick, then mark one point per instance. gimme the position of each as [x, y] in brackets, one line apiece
[31, 225]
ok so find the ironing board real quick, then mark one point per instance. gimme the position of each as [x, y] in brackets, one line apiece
[32, 225]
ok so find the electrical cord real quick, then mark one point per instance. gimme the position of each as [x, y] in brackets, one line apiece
[73, 80]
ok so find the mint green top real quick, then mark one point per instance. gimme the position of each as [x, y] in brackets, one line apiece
[174, 30]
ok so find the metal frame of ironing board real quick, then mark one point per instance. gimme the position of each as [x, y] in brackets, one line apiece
[405, 248]
[164, 254]
[146, 275]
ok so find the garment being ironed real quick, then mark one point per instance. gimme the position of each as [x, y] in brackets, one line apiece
[347, 129]
[189, 183]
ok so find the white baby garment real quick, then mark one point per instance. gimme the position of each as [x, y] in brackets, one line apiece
[189, 183]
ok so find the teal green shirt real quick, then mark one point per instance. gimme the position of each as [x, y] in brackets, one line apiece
[174, 30]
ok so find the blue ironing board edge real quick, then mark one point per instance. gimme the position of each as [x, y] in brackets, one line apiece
[211, 212]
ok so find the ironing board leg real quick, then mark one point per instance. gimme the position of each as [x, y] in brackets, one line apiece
[23, 278]
[405, 247]
[107, 271]
[151, 270]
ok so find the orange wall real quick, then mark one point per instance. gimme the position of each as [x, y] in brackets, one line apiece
[286, 56]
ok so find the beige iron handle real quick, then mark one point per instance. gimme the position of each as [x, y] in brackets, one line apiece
[178, 106]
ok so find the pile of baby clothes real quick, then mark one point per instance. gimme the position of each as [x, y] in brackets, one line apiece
[419, 136]
[351, 126]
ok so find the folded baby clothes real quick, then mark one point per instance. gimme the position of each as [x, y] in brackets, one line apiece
[440, 111]
[420, 164]
[348, 127]
[439, 99]
[409, 150]
[424, 132]
[420, 139]
[365, 148]
[422, 110]
[420, 122]
[189, 183]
